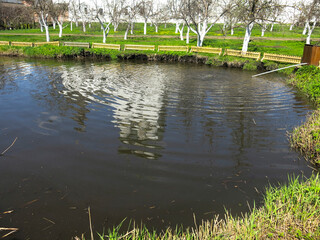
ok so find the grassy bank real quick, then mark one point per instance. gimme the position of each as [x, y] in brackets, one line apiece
[294, 48]
[64, 52]
[306, 138]
[289, 212]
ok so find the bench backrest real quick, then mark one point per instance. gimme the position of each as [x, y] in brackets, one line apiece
[173, 48]
[206, 50]
[107, 46]
[77, 44]
[22, 44]
[281, 58]
[37, 44]
[239, 53]
[7, 43]
[139, 47]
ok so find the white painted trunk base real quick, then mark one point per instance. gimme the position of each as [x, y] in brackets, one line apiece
[247, 37]
[145, 28]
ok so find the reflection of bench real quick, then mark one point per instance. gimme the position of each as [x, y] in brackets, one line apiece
[22, 44]
[4, 43]
[281, 58]
[107, 46]
[77, 44]
[206, 50]
[139, 47]
[173, 48]
[37, 44]
[239, 53]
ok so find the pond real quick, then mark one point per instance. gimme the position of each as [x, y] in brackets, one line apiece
[153, 142]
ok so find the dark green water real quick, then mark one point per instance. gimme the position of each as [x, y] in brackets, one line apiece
[153, 142]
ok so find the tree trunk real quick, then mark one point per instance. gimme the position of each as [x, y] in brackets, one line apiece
[126, 33]
[47, 33]
[132, 26]
[115, 27]
[156, 25]
[71, 26]
[89, 24]
[145, 27]
[263, 29]
[291, 27]
[181, 32]
[41, 25]
[104, 35]
[232, 31]
[77, 23]
[188, 35]
[54, 24]
[84, 26]
[177, 27]
[199, 42]
[247, 37]
[271, 28]
[60, 29]
[44, 23]
[308, 40]
[305, 28]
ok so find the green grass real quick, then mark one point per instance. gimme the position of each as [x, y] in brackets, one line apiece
[279, 47]
[279, 31]
[289, 212]
[307, 80]
[306, 138]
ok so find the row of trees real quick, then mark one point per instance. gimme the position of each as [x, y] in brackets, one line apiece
[197, 16]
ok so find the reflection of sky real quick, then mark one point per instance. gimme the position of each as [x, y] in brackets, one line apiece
[136, 99]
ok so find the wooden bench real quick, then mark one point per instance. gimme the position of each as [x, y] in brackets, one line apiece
[206, 50]
[139, 47]
[107, 46]
[6, 43]
[22, 44]
[56, 43]
[239, 53]
[173, 48]
[281, 58]
[77, 44]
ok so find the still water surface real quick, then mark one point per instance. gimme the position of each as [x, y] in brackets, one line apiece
[153, 142]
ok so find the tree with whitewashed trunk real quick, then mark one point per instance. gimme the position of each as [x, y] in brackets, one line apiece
[73, 13]
[276, 13]
[84, 13]
[42, 9]
[188, 35]
[58, 11]
[200, 15]
[313, 16]
[145, 11]
[158, 15]
[175, 8]
[41, 26]
[306, 14]
[293, 11]
[113, 10]
[102, 17]
[230, 17]
[254, 11]
[264, 27]
[129, 13]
